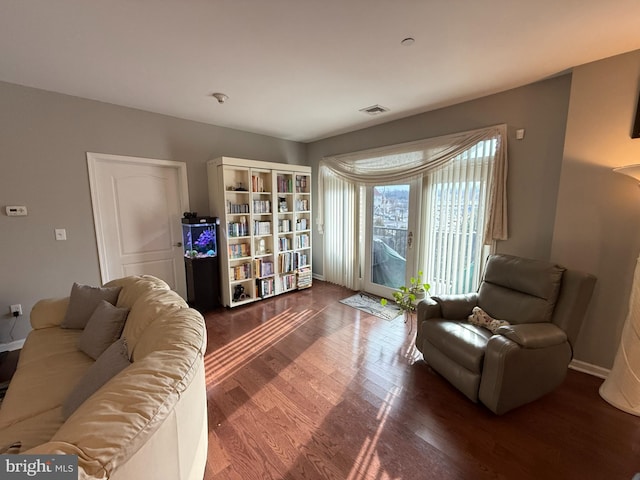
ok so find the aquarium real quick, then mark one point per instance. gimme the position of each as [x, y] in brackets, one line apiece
[199, 237]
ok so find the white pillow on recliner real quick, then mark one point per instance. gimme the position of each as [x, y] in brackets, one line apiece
[480, 318]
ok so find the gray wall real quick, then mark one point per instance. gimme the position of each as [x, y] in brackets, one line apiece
[534, 163]
[564, 201]
[44, 138]
[597, 226]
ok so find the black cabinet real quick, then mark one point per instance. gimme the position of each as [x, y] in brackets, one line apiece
[202, 266]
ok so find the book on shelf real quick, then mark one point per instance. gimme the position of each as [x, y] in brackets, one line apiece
[301, 184]
[287, 282]
[238, 250]
[284, 183]
[257, 184]
[265, 287]
[302, 205]
[302, 259]
[261, 206]
[284, 225]
[284, 244]
[261, 227]
[302, 224]
[237, 207]
[302, 241]
[240, 272]
[286, 262]
[263, 268]
[238, 229]
[305, 277]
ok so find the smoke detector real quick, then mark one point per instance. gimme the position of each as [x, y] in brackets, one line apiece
[374, 110]
[221, 97]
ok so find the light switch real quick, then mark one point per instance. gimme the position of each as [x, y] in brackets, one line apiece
[61, 234]
[520, 134]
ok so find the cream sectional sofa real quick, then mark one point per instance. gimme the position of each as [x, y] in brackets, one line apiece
[147, 422]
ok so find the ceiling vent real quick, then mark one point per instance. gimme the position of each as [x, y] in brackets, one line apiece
[374, 110]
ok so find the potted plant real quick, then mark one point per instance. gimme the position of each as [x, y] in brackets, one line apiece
[407, 297]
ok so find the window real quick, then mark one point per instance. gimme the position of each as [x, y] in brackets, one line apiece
[464, 208]
[456, 200]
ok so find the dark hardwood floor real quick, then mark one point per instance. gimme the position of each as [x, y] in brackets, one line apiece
[303, 387]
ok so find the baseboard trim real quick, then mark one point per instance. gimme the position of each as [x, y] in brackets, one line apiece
[15, 345]
[589, 368]
[318, 277]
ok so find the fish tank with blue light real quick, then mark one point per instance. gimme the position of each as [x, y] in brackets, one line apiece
[199, 236]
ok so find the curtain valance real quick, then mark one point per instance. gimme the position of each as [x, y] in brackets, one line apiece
[402, 162]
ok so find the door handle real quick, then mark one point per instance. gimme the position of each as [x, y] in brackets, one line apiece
[179, 244]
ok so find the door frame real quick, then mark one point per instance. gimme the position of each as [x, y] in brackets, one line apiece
[413, 227]
[92, 161]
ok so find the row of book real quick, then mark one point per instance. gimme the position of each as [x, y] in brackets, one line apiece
[302, 259]
[265, 287]
[290, 261]
[286, 282]
[302, 224]
[302, 205]
[240, 272]
[301, 184]
[304, 278]
[263, 268]
[261, 206]
[237, 207]
[284, 226]
[238, 229]
[302, 241]
[284, 184]
[284, 244]
[239, 250]
[261, 227]
[257, 184]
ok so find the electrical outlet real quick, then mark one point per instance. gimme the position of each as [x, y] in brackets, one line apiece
[16, 310]
[16, 210]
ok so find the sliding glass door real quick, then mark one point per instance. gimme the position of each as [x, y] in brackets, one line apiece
[391, 233]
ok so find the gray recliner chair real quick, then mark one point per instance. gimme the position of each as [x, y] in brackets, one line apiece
[544, 304]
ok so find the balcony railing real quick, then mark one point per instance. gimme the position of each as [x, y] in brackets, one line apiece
[395, 238]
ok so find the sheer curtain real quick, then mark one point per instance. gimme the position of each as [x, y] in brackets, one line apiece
[397, 163]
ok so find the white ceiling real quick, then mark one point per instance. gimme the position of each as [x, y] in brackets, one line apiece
[301, 69]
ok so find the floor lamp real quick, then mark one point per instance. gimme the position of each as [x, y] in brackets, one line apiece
[622, 386]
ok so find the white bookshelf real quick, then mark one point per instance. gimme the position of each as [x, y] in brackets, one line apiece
[265, 227]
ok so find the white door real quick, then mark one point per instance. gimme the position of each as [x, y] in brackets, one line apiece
[391, 238]
[137, 207]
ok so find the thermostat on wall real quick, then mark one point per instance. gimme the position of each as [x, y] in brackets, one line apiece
[16, 210]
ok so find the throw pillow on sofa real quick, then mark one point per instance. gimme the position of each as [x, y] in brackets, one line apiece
[11, 448]
[112, 361]
[481, 318]
[83, 301]
[103, 328]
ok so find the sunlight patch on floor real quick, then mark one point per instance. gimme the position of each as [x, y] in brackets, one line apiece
[225, 361]
[367, 464]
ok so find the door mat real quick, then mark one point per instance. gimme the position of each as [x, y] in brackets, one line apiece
[370, 304]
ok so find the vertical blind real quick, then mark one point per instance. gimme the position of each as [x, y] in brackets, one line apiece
[456, 204]
[341, 244]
